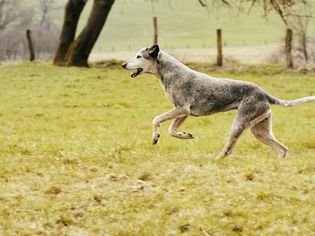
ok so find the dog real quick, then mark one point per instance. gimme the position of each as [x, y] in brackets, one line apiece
[196, 94]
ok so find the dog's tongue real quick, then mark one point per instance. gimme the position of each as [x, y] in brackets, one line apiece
[136, 73]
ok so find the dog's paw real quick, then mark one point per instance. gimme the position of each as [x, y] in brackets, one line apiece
[183, 135]
[283, 153]
[220, 156]
[155, 138]
[186, 135]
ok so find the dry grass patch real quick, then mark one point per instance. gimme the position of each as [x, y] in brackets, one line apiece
[76, 159]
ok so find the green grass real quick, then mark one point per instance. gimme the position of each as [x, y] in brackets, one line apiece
[181, 24]
[184, 23]
[76, 159]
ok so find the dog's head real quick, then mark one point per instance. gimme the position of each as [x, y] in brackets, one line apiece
[144, 61]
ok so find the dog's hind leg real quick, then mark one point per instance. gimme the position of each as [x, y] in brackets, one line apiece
[172, 130]
[235, 133]
[176, 113]
[249, 113]
[263, 132]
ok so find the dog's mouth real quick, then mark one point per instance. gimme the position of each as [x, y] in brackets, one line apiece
[136, 73]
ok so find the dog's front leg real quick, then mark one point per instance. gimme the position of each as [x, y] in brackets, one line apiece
[173, 129]
[177, 112]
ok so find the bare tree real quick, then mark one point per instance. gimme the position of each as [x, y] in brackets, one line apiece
[301, 29]
[15, 17]
[300, 24]
[80, 49]
[72, 52]
[9, 13]
[46, 7]
[284, 8]
[72, 14]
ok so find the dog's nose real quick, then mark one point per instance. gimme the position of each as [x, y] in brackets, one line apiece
[124, 65]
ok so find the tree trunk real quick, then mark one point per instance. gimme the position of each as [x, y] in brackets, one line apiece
[81, 48]
[304, 46]
[72, 14]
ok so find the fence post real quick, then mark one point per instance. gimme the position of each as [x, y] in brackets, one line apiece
[219, 48]
[30, 44]
[288, 48]
[155, 30]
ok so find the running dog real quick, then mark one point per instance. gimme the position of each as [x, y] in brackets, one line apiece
[197, 94]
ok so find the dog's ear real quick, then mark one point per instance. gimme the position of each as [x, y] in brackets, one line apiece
[154, 51]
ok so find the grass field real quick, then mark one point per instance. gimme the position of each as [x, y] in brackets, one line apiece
[184, 23]
[76, 159]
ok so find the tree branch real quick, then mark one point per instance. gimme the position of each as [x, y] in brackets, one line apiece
[278, 9]
[202, 3]
[298, 15]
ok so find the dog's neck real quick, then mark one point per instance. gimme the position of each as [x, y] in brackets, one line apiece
[168, 69]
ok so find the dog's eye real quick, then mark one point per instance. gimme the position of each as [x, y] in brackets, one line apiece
[138, 56]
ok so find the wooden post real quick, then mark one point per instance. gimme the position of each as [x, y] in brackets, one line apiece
[155, 31]
[30, 44]
[288, 48]
[219, 48]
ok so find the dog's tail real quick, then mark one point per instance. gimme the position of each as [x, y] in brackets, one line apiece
[290, 103]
